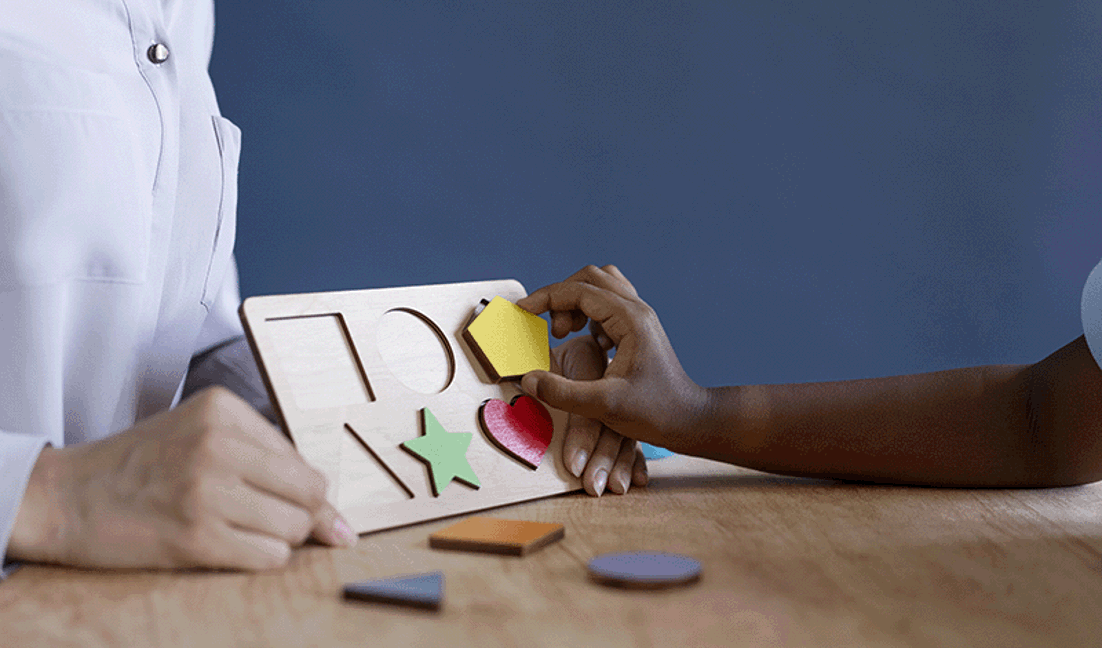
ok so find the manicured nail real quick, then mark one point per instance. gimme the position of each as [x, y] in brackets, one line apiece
[599, 481]
[619, 484]
[578, 465]
[347, 536]
[280, 558]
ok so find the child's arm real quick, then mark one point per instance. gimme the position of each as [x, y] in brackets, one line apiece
[1028, 425]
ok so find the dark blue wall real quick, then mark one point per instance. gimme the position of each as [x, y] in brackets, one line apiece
[810, 190]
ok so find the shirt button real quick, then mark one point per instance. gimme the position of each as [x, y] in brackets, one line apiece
[157, 53]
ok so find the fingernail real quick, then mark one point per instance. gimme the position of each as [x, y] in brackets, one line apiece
[347, 536]
[619, 484]
[578, 465]
[641, 477]
[528, 385]
[280, 559]
[599, 481]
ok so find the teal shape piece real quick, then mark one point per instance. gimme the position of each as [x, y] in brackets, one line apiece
[444, 452]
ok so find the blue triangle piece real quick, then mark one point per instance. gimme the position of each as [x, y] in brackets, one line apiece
[420, 590]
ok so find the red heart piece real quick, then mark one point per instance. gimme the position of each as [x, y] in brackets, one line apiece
[522, 429]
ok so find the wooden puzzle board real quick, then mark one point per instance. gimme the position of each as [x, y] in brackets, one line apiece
[364, 363]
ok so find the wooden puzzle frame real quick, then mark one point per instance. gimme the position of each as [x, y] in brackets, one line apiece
[354, 435]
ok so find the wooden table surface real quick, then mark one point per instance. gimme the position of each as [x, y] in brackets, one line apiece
[787, 562]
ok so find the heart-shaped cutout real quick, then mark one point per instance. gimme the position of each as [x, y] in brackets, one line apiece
[523, 428]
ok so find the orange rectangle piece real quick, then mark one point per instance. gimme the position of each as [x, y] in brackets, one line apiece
[491, 535]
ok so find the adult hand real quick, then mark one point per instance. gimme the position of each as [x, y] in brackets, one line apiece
[208, 484]
[591, 451]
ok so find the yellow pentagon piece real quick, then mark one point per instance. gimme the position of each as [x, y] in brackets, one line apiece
[509, 340]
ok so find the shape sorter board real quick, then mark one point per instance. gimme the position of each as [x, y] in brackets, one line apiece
[350, 374]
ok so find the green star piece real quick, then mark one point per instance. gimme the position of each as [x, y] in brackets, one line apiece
[444, 452]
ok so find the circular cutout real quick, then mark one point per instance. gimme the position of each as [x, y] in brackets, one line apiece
[415, 351]
[644, 570]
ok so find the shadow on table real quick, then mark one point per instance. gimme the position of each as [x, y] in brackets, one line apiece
[660, 482]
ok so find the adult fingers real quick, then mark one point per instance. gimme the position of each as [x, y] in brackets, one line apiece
[247, 508]
[639, 475]
[595, 477]
[331, 529]
[589, 398]
[227, 547]
[221, 408]
[285, 475]
[619, 479]
[578, 445]
[289, 477]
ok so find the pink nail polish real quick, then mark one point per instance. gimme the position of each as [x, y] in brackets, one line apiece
[345, 533]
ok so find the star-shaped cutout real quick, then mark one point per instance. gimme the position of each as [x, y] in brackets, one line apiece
[444, 452]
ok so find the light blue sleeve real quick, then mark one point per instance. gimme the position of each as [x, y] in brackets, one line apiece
[18, 454]
[1092, 312]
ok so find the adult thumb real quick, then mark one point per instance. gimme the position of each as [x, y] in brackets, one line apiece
[583, 397]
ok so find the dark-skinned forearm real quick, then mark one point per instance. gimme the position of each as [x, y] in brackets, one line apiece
[963, 427]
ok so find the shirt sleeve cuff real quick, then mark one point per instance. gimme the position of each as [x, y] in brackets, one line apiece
[1092, 313]
[18, 454]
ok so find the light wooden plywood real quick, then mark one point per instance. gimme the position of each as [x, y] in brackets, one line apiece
[350, 373]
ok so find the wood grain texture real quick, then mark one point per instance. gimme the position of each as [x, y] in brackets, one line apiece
[788, 562]
[349, 415]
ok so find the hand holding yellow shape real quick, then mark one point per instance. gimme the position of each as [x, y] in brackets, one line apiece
[509, 340]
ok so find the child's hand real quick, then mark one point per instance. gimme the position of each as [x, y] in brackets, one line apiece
[644, 394]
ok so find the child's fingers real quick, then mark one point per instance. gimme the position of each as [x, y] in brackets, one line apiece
[600, 337]
[561, 322]
[607, 278]
[588, 398]
[564, 323]
[627, 289]
[595, 303]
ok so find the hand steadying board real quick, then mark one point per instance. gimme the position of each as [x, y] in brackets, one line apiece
[350, 374]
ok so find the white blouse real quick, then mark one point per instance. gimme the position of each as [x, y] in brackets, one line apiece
[1092, 312]
[117, 207]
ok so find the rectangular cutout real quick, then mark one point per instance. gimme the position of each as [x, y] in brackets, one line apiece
[320, 362]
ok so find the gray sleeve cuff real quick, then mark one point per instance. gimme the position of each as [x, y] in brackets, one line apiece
[232, 366]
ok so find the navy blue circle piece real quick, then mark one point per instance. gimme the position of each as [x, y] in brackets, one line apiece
[644, 570]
